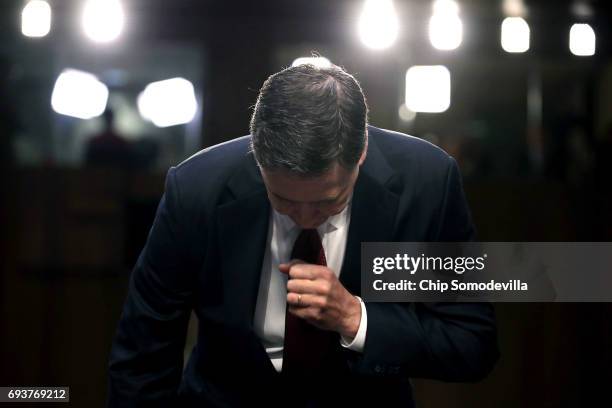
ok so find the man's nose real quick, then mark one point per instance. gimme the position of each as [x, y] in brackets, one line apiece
[304, 213]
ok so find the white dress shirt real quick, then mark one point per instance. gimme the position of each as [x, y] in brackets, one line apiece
[269, 321]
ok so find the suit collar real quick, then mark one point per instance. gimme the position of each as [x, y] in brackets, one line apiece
[247, 179]
[375, 165]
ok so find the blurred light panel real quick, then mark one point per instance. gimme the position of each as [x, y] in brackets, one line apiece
[36, 19]
[514, 8]
[378, 24]
[428, 88]
[320, 62]
[168, 103]
[79, 94]
[445, 26]
[515, 35]
[406, 114]
[582, 40]
[582, 9]
[103, 20]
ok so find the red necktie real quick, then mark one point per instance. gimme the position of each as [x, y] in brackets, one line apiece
[306, 348]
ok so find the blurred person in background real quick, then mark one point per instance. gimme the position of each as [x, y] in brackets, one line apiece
[108, 148]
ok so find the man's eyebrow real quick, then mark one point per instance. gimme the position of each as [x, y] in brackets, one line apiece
[318, 201]
[279, 196]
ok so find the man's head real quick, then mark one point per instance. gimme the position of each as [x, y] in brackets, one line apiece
[309, 138]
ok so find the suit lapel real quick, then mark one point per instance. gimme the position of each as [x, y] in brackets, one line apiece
[242, 224]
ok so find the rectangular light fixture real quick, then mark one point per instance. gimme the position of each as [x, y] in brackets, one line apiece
[36, 19]
[582, 40]
[79, 94]
[168, 103]
[515, 35]
[428, 88]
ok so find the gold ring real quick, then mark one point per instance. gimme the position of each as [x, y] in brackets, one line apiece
[299, 299]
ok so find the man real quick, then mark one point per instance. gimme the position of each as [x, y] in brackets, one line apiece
[108, 148]
[261, 237]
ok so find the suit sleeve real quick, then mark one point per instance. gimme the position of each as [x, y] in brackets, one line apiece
[146, 359]
[444, 341]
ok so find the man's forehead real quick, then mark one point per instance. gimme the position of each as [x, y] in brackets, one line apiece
[295, 187]
[337, 175]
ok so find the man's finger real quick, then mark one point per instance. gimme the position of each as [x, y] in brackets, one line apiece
[296, 302]
[300, 270]
[316, 287]
[285, 267]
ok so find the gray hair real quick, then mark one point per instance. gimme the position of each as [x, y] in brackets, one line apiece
[307, 118]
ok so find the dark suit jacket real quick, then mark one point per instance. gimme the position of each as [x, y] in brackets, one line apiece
[205, 252]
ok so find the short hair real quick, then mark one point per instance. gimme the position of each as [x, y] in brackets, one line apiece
[307, 118]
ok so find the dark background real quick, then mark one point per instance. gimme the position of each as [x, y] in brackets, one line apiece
[71, 232]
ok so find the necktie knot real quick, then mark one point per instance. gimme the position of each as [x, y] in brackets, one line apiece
[308, 247]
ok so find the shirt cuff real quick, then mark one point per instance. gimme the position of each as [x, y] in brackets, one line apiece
[358, 342]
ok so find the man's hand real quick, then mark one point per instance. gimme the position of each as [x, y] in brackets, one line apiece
[315, 294]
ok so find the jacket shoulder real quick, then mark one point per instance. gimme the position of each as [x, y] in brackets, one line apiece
[201, 179]
[406, 153]
[220, 157]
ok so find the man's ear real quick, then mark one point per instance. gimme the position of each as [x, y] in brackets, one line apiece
[365, 150]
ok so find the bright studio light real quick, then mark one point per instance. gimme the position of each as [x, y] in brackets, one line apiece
[168, 103]
[103, 20]
[36, 19]
[445, 26]
[582, 40]
[378, 24]
[428, 88]
[515, 35]
[79, 94]
[320, 62]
